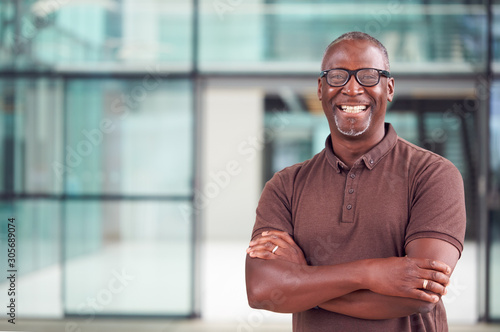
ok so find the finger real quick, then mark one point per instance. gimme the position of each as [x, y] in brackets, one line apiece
[263, 254]
[431, 264]
[271, 242]
[282, 235]
[432, 287]
[424, 296]
[265, 236]
[260, 239]
[258, 236]
[437, 277]
[268, 246]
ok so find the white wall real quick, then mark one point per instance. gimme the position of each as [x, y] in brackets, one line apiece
[230, 166]
[232, 127]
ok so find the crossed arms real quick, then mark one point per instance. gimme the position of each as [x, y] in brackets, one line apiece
[370, 289]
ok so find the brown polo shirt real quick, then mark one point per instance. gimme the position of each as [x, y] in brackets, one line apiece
[396, 193]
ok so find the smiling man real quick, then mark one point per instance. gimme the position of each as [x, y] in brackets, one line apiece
[365, 235]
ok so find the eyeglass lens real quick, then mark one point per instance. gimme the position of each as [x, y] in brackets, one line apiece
[366, 77]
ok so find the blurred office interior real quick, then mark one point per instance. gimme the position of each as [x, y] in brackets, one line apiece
[136, 137]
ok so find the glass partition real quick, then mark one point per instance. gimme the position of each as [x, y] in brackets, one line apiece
[32, 106]
[290, 36]
[108, 35]
[105, 165]
[128, 257]
[36, 255]
[123, 135]
[496, 36]
[127, 169]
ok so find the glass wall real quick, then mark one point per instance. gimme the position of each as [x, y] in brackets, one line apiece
[96, 35]
[128, 176]
[289, 35]
[97, 144]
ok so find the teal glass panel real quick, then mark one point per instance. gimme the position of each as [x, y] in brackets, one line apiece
[290, 36]
[36, 254]
[293, 138]
[128, 258]
[494, 203]
[109, 35]
[128, 137]
[37, 232]
[31, 134]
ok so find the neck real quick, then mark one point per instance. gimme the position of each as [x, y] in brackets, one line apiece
[350, 149]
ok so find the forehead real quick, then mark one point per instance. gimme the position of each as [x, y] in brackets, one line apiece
[353, 54]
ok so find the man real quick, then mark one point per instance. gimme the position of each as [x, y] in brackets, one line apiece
[365, 235]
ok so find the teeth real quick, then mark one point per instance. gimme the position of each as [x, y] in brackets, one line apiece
[353, 109]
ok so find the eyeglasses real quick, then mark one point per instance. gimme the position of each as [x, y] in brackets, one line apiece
[365, 76]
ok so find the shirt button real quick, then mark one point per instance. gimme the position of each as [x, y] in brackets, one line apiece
[353, 176]
[371, 161]
[349, 206]
[351, 191]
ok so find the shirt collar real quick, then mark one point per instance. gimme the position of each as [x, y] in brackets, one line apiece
[372, 157]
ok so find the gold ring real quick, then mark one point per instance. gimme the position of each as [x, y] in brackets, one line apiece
[274, 250]
[425, 284]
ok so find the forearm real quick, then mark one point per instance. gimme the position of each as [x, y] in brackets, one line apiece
[282, 286]
[369, 305]
[366, 304]
[281, 281]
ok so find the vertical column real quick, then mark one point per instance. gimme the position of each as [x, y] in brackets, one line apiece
[231, 148]
[231, 162]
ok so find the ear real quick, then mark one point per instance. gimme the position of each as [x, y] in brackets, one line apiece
[320, 87]
[390, 89]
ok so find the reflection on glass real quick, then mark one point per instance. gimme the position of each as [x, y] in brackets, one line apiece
[73, 34]
[292, 138]
[37, 255]
[279, 35]
[128, 137]
[128, 257]
[31, 135]
[37, 232]
[496, 36]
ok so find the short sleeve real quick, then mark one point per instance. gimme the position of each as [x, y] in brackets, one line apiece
[274, 209]
[437, 208]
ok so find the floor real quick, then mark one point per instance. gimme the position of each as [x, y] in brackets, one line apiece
[176, 326]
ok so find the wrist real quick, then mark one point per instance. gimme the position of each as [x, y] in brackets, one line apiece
[367, 271]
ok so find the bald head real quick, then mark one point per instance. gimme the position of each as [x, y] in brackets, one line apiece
[357, 35]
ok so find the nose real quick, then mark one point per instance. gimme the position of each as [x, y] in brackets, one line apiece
[352, 87]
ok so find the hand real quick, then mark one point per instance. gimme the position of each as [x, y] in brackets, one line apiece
[262, 247]
[405, 277]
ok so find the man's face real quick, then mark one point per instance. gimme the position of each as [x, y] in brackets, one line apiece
[353, 110]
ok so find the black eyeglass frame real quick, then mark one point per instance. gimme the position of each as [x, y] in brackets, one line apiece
[355, 73]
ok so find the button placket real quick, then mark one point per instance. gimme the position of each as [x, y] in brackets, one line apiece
[350, 195]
